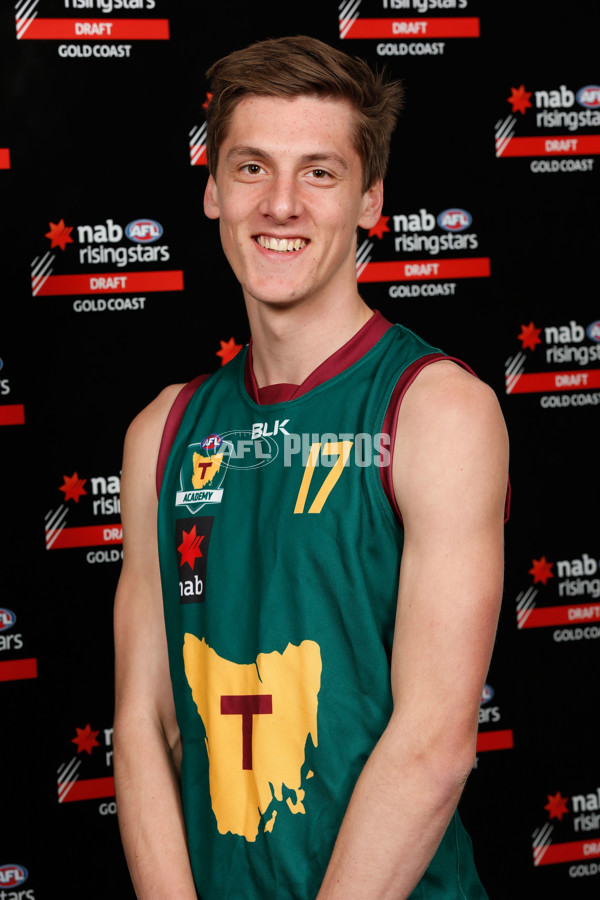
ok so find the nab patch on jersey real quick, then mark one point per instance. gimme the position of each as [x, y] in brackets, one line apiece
[192, 537]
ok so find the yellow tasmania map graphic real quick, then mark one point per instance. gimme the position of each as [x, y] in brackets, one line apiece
[257, 718]
[205, 469]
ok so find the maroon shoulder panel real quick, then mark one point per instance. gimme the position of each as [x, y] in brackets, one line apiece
[172, 425]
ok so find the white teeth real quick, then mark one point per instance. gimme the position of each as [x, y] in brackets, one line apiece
[285, 245]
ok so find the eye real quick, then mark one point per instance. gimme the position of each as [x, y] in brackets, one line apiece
[252, 169]
[319, 173]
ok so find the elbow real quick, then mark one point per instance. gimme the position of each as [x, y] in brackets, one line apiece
[441, 759]
[451, 761]
[461, 766]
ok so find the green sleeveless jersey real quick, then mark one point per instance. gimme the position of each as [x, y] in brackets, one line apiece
[280, 553]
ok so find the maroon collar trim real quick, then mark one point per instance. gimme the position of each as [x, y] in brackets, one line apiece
[342, 359]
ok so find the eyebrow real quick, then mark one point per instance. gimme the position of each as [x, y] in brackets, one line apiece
[242, 151]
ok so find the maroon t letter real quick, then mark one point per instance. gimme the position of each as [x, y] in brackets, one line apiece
[246, 706]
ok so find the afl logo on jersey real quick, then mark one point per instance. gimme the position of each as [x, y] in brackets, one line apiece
[211, 443]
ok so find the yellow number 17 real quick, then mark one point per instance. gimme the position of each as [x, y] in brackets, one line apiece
[342, 448]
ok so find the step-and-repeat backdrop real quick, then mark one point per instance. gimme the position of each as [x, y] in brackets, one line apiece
[114, 285]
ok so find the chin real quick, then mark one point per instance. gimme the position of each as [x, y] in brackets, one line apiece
[277, 302]
[276, 297]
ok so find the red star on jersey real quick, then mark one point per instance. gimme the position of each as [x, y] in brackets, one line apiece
[541, 570]
[530, 336]
[556, 806]
[519, 99]
[73, 487]
[190, 547]
[381, 227]
[59, 234]
[228, 350]
[86, 739]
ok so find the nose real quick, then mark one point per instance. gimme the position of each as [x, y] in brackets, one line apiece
[282, 200]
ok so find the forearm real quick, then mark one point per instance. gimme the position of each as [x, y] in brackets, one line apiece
[399, 810]
[150, 815]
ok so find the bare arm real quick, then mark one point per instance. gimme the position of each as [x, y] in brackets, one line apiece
[450, 477]
[146, 736]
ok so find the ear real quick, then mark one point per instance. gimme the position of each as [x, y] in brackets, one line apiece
[211, 199]
[372, 204]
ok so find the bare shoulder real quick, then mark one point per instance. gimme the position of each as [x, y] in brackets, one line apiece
[451, 440]
[447, 402]
[446, 389]
[140, 452]
[148, 425]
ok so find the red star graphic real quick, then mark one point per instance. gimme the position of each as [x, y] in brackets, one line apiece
[228, 350]
[530, 336]
[519, 99]
[541, 570]
[59, 234]
[206, 103]
[381, 227]
[556, 806]
[190, 547]
[73, 487]
[86, 739]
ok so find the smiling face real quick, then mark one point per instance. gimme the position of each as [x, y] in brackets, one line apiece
[288, 194]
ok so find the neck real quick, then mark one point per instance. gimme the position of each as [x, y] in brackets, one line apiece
[288, 343]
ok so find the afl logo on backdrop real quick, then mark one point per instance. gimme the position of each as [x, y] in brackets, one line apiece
[12, 875]
[593, 330]
[144, 231]
[589, 96]
[7, 619]
[454, 219]
[487, 694]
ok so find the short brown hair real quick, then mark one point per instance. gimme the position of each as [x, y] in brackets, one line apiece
[294, 66]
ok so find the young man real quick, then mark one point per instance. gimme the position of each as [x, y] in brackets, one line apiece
[300, 720]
